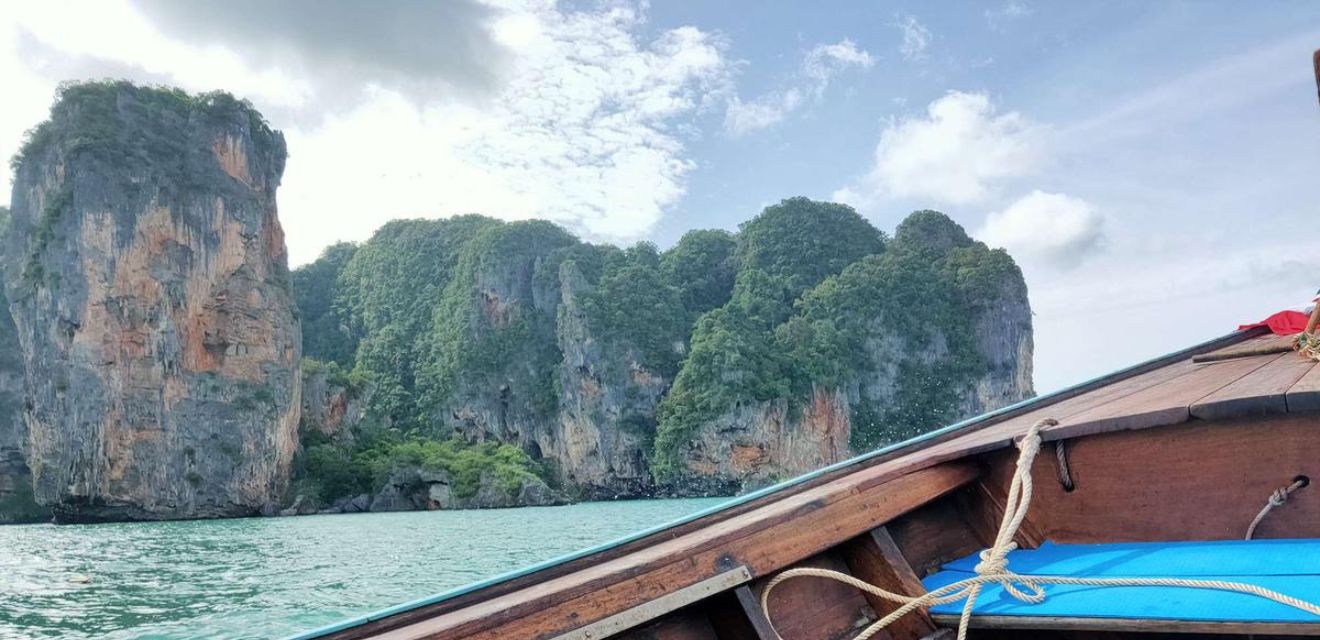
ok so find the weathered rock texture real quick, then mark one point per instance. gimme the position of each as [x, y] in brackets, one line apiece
[495, 337]
[16, 501]
[147, 277]
[332, 408]
[607, 399]
[757, 444]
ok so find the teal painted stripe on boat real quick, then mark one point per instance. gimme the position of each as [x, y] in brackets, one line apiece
[748, 497]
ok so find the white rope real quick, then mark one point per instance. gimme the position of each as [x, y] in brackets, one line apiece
[1065, 474]
[1276, 499]
[993, 567]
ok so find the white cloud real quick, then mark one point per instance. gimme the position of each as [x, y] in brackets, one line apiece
[825, 61]
[952, 155]
[997, 18]
[820, 66]
[765, 111]
[587, 127]
[916, 38]
[1054, 229]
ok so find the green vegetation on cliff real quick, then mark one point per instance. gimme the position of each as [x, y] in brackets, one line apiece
[455, 324]
[387, 294]
[331, 470]
[91, 118]
[735, 356]
[490, 330]
[325, 335]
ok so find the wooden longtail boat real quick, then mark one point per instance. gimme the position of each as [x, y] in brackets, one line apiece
[1153, 472]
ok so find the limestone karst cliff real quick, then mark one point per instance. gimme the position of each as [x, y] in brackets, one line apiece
[453, 363]
[147, 278]
[16, 501]
[916, 332]
[724, 363]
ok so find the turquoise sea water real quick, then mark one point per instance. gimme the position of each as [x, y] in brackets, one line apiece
[272, 577]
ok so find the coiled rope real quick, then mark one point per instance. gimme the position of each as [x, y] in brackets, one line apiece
[993, 567]
[1307, 343]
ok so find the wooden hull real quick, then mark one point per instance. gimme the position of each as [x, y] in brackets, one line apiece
[1172, 449]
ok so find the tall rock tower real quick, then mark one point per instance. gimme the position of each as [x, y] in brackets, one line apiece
[148, 280]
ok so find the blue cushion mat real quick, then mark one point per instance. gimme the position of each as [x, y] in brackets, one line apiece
[1290, 567]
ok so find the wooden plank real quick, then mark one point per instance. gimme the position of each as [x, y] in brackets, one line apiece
[1194, 481]
[940, 531]
[995, 495]
[750, 606]
[1305, 395]
[875, 558]
[1002, 434]
[1258, 393]
[816, 608]
[1160, 405]
[1133, 625]
[648, 611]
[764, 540]
[1262, 345]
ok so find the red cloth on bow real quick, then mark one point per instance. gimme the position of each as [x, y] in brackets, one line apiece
[1284, 323]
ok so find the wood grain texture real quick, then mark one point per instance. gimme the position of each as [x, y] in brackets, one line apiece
[816, 608]
[1002, 434]
[940, 531]
[1305, 395]
[875, 558]
[1260, 345]
[1134, 625]
[1261, 392]
[1159, 405]
[652, 610]
[765, 540]
[1195, 481]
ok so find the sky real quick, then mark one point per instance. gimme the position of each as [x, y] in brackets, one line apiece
[1150, 165]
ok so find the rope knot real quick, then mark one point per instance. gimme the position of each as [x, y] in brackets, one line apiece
[1279, 497]
[992, 564]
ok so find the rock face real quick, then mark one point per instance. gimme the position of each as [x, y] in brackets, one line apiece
[495, 338]
[16, 501]
[148, 281]
[331, 406]
[607, 399]
[759, 444]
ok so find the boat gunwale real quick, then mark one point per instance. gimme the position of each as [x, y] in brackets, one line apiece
[741, 504]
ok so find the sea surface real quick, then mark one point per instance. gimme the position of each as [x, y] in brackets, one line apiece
[274, 577]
